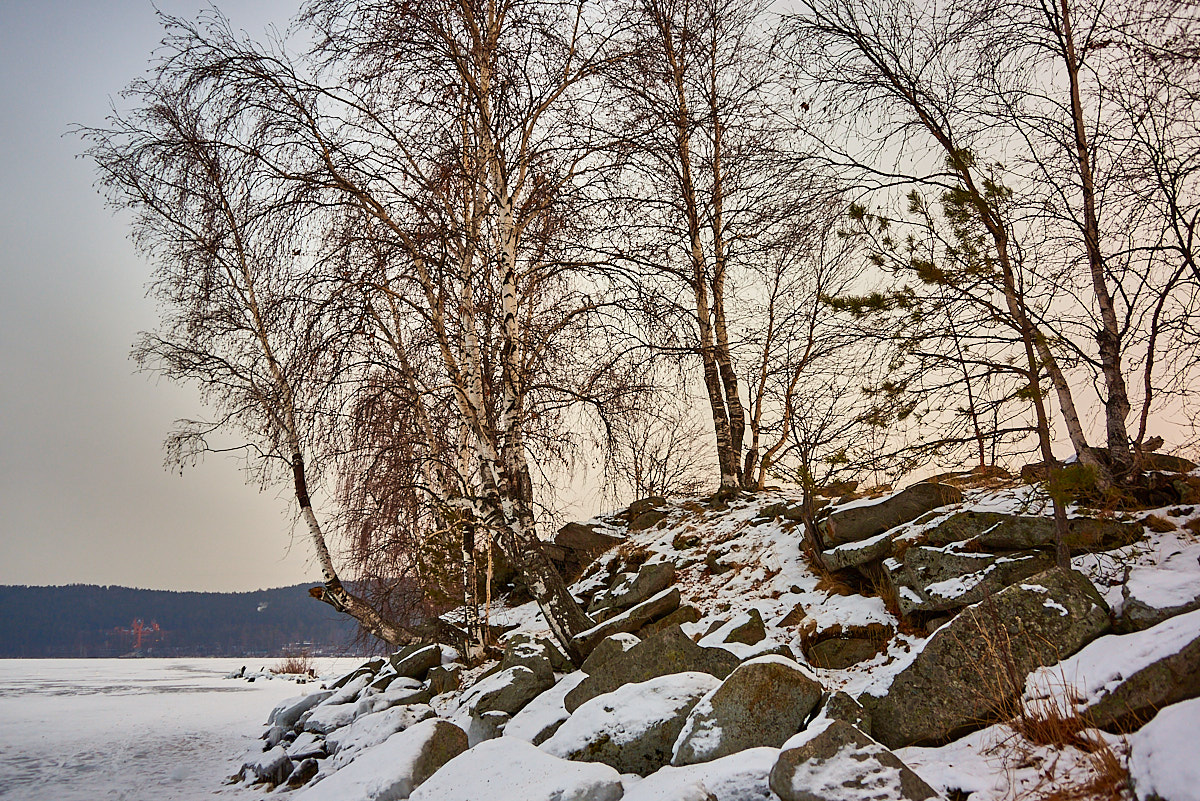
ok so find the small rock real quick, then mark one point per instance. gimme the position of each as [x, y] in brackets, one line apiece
[303, 773]
[486, 726]
[748, 628]
[272, 767]
[444, 678]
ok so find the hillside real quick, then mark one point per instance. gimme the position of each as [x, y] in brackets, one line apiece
[934, 651]
[84, 620]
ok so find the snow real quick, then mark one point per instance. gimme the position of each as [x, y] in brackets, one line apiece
[1165, 754]
[131, 729]
[630, 710]
[545, 710]
[737, 777]
[372, 729]
[382, 774]
[1103, 664]
[510, 769]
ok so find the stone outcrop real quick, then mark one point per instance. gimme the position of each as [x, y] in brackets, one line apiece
[977, 663]
[994, 531]
[942, 579]
[860, 522]
[763, 702]
[630, 589]
[669, 651]
[650, 610]
[1122, 680]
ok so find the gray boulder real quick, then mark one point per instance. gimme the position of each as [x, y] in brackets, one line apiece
[853, 554]
[995, 531]
[486, 726]
[1124, 679]
[529, 652]
[273, 767]
[416, 664]
[606, 649]
[763, 702]
[684, 614]
[841, 706]
[304, 772]
[288, 713]
[634, 728]
[839, 653]
[860, 522]
[841, 762]
[506, 691]
[444, 678]
[748, 629]
[655, 608]
[669, 651]
[977, 663]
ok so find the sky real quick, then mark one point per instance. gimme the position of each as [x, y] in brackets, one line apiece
[84, 495]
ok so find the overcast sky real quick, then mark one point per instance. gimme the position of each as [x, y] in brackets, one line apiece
[83, 493]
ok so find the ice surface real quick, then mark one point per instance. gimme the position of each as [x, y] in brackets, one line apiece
[131, 729]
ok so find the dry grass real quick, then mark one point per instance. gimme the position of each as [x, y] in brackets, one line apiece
[297, 663]
[1159, 524]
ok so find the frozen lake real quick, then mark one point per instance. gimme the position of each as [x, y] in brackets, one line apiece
[132, 729]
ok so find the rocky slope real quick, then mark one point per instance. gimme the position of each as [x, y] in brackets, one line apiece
[933, 651]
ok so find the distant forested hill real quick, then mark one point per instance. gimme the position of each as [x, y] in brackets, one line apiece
[84, 620]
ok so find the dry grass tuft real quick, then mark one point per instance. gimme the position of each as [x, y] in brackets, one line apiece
[297, 663]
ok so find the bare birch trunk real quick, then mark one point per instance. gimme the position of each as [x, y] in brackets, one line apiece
[1108, 338]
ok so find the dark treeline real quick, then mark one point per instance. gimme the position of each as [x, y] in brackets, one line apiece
[86, 620]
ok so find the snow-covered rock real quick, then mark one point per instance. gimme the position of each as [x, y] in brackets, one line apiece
[669, 651]
[763, 702]
[840, 763]
[288, 713]
[1164, 760]
[510, 769]
[738, 777]
[542, 716]
[372, 729]
[1126, 675]
[633, 728]
[966, 669]
[394, 768]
